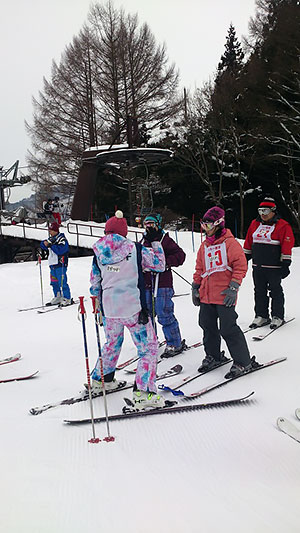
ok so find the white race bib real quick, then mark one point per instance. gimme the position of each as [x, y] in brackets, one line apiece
[215, 259]
[263, 234]
[52, 258]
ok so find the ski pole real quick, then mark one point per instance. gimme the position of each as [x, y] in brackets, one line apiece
[62, 276]
[153, 283]
[193, 224]
[41, 278]
[96, 312]
[81, 311]
[174, 271]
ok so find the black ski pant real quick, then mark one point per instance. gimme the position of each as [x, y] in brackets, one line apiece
[268, 280]
[232, 334]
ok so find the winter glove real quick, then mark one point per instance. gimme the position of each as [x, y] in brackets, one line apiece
[195, 294]
[231, 294]
[143, 317]
[285, 271]
[153, 234]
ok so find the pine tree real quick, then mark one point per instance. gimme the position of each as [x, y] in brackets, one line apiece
[232, 59]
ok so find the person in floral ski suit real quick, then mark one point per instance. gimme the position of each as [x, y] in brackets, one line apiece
[220, 268]
[117, 280]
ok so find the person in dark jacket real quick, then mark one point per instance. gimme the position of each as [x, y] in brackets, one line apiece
[159, 287]
[58, 248]
[269, 242]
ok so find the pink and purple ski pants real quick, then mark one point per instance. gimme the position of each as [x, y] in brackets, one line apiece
[145, 340]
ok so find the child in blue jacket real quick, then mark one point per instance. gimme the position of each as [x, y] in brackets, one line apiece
[58, 248]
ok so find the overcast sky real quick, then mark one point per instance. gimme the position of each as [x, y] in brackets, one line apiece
[34, 32]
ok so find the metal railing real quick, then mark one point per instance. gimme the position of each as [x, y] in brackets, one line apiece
[86, 229]
[30, 223]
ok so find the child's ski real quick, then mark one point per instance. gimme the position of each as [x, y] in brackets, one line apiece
[55, 307]
[290, 429]
[12, 359]
[34, 308]
[83, 396]
[21, 378]
[164, 410]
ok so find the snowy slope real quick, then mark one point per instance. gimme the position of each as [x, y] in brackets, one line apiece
[208, 471]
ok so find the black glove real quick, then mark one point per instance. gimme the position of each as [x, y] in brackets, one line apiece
[231, 294]
[143, 317]
[195, 294]
[285, 271]
[153, 234]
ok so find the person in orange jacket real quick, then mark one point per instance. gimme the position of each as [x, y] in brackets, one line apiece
[220, 268]
[269, 242]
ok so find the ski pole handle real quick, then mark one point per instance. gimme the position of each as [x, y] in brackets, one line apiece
[97, 310]
[95, 304]
[81, 307]
[81, 310]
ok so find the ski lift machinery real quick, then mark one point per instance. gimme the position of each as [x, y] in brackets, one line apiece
[121, 159]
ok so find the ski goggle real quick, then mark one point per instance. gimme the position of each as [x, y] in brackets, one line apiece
[150, 224]
[210, 225]
[264, 210]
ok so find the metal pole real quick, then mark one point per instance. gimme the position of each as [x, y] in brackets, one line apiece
[82, 312]
[41, 278]
[174, 271]
[96, 312]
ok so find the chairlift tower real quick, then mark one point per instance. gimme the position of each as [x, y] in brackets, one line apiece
[7, 182]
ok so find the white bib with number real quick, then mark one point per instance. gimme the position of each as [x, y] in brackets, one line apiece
[215, 259]
[263, 234]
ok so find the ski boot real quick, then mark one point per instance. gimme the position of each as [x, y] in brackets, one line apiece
[55, 301]
[209, 362]
[171, 351]
[143, 400]
[276, 322]
[238, 370]
[259, 321]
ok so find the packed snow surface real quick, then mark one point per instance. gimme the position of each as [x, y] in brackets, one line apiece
[222, 470]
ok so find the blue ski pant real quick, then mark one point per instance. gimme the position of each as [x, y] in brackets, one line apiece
[59, 281]
[164, 310]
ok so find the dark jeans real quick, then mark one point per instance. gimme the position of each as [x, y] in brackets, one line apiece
[232, 334]
[268, 279]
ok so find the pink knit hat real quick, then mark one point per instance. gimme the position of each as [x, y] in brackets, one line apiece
[117, 224]
[214, 214]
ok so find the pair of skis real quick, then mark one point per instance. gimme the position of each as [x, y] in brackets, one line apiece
[177, 392]
[269, 331]
[47, 308]
[83, 396]
[288, 427]
[13, 359]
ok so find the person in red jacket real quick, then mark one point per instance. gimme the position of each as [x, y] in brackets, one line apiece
[220, 268]
[269, 242]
